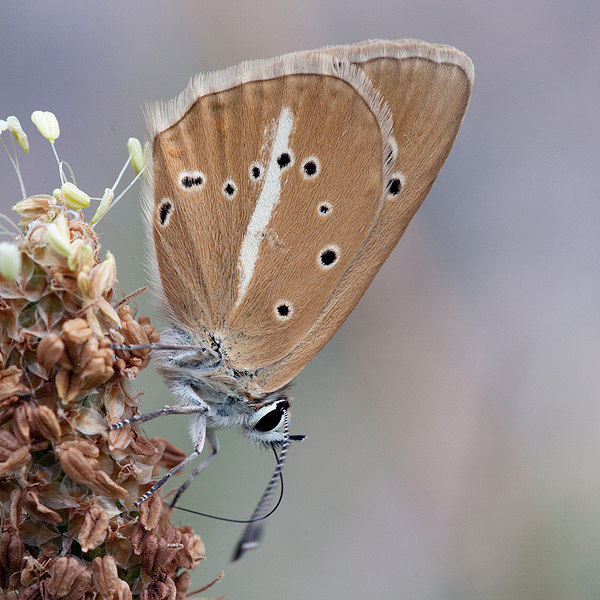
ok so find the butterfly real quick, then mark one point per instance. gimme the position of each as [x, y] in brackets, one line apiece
[276, 190]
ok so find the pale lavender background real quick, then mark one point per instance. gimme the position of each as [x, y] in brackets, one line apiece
[454, 421]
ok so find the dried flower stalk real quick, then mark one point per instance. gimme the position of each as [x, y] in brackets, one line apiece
[66, 483]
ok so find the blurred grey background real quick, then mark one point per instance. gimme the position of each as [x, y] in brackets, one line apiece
[453, 423]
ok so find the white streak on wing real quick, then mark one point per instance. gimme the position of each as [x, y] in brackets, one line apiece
[267, 201]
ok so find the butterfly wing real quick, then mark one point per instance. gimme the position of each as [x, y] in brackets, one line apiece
[278, 191]
[266, 181]
[427, 88]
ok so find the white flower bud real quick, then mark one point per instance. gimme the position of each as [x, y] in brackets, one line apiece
[63, 226]
[59, 236]
[16, 129]
[136, 153]
[73, 196]
[10, 261]
[105, 203]
[57, 242]
[47, 124]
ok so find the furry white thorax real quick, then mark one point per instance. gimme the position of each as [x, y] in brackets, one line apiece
[203, 378]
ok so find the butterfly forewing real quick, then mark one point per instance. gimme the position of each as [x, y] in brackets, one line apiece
[263, 194]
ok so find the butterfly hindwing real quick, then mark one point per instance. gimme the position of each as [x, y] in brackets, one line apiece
[427, 88]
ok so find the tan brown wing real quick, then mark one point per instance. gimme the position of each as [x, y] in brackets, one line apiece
[220, 194]
[428, 89]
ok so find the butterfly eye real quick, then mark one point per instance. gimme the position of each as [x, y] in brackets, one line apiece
[272, 420]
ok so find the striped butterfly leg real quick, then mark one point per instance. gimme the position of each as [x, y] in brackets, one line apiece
[199, 408]
[199, 437]
[165, 410]
[214, 448]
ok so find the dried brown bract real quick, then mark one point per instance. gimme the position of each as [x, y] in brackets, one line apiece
[41, 206]
[70, 484]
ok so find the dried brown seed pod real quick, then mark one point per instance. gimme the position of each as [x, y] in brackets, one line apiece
[97, 367]
[78, 466]
[93, 529]
[182, 584]
[150, 512]
[20, 425]
[119, 439]
[103, 485]
[153, 335]
[137, 538]
[81, 585]
[134, 334]
[76, 331]
[61, 381]
[172, 594]
[33, 592]
[140, 445]
[68, 384]
[168, 546]
[106, 577]
[103, 277]
[15, 553]
[192, 552]
[8, 444]
[45, 422]
[38, 510]
[123, 591]
[69, 579]
[18, 459]
[15, 509]
[10, 382]
[149, 548]
[50, 350]
[84, 446]
[157, 590]
[11, 560]
[91, 318]
[34, 207]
